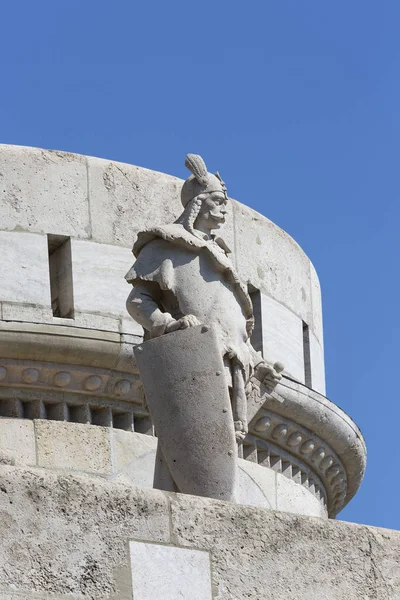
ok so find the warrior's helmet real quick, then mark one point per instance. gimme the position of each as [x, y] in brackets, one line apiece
[201, 182]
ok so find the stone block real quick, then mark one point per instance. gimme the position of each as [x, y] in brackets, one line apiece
[316, 323]
[101, 288]
[125, 198]
[78, 529]
[317, 365]
[74, 345]
[52, 180]
[282, 333]
[73, 446]
[294, 498]
[272, 261]
[25, 270]
[17, 441]
[256, 485]
[28, 313]
[90, 320]
[134, 457]
[160, 571]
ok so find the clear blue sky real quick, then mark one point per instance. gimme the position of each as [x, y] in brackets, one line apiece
[295, 103]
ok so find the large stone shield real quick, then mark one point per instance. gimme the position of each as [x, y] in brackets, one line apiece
[188, 397]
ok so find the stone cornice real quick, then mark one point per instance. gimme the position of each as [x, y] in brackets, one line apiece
[304, 448]
[309, 425]
[64, 392]
[272, 456]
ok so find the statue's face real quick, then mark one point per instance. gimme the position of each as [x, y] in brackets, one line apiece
[213, 211]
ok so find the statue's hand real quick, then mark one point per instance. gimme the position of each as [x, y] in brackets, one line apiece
[240, 430]
[183, 323]
[269, 375]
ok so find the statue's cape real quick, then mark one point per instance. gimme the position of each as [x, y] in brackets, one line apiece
[154, 266]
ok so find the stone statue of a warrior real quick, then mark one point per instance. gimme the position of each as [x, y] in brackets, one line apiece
[183, 278]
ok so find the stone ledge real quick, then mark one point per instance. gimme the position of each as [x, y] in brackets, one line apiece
[128, 457]
[71, 345]
[65, 536]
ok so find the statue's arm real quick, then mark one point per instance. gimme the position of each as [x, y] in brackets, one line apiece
[142, 305]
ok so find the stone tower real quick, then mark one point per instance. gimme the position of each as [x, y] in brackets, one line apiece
[77, 443]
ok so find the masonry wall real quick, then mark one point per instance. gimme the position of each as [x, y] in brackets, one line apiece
[73, 537]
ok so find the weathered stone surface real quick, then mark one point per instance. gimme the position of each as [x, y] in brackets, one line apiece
[26, 312]
[283, 336]
[256, 485]
[296, 499]
[68, 536]
[17, 441]
[105, 290]
[52, 180]
[73, 446]
[263, 554]
[168, 572]
[133, 458]
[24, 268]
[124, 198]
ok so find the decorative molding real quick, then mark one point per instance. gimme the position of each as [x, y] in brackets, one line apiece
[71, 378]
[306, 447]
[273, 457]
[42, 390]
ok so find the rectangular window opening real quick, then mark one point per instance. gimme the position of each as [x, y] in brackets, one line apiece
[60, 268]
[256, 337]
[307, 355]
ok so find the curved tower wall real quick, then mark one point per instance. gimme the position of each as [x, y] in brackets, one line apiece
[70, 394]
[101, 205]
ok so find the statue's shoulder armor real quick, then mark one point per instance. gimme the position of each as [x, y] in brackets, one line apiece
[174, 233]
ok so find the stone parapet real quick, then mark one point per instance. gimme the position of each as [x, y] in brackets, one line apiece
[69, 537]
